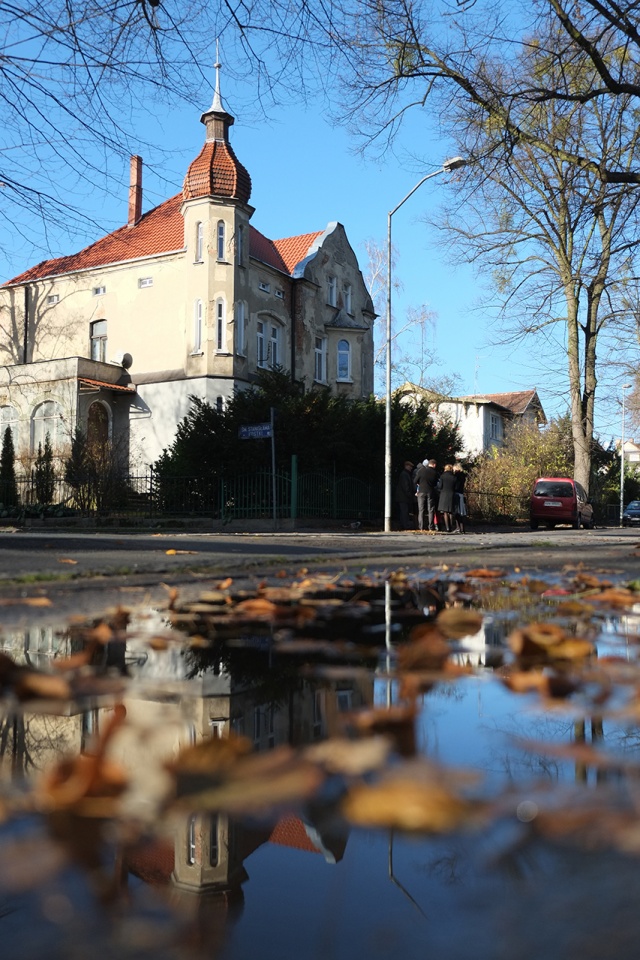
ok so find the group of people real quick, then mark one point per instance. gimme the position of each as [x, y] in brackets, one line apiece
[438, 497]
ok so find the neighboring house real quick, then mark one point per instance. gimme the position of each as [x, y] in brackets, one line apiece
[482, 418]
[631, 452]
[186, 299]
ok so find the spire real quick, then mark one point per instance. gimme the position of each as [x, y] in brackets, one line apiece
[216, 119]
[216, 171]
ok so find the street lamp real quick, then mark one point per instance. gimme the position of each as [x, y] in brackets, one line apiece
[447, 167]
[625, 386]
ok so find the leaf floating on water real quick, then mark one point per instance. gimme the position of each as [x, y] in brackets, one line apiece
[548, 639]
[483, 573]
[350, 758]
[211, 756]
[458, 622]
[404, 804]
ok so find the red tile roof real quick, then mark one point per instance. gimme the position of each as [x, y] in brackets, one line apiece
[517, 401]
[161, 230]
[290, 832]
[217, 171]
[158, 231]
[129, 388]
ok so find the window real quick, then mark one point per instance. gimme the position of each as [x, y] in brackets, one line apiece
[264, 286]
[199, 241]
[317, 713]
[274, 346]
[99, 340]
[344, 360]
[9, 418]
[99, 291]
[220, 240]
[197, 326]
[191, 840]
[220, 404]
[344, 700]
[320, 370]
[241, 332]
[261, 353]
[257, 725]
[332, 295]
[214, 846]
[495, 427]
[240, 246]
[145, 282]
[46, 419]
[220, 335]
[346, 297]
[280, 294]
[52, 299]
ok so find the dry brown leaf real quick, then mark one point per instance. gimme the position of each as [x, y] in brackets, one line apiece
[458, 622]
[26, 601]
[211, 756]
[404, 804]
[396, 721]
[483, 573]
[526, 681]
[352, 758]
[66, 560]
[574, 608]
[535, 638]
[616, 597]
[430, 652]
[260, 607]
[174, 553]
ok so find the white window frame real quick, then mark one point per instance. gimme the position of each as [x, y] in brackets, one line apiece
[273, 348]
[220, 242]
[52, 299]
[261, 352]
[241, 329]
[332, 291]
[9, 418]
[221, 336]
[145, 282]
[280, 294]
[199, 242]
[347, 297]
[46, 418]
[99, 291]
[264, 286]
[98, 340]
[320, 360]
[197, 326]
[495, 427]
[342, 377]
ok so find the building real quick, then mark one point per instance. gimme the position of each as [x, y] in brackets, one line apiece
[481, 418]
[188, 299]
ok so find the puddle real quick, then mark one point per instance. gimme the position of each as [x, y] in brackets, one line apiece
[401, 764]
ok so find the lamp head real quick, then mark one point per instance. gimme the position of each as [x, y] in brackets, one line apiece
[454, 164]
[627, 386]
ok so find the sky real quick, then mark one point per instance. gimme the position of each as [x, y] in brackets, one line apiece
[306, 172]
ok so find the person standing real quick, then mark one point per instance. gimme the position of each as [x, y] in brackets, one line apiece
[405, 495]
[426, 479]
[459, 500]
[445, 501]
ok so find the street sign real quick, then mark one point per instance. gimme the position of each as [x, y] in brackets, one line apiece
[255, 431]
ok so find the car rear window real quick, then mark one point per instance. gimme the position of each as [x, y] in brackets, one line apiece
[550, 488]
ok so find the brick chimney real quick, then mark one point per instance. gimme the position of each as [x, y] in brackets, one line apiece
[135, 190]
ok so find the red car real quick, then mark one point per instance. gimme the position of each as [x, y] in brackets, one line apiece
[560, 500]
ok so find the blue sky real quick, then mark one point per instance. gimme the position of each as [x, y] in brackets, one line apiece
[306, 172]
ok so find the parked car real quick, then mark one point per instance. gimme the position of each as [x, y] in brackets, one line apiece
[560, 500]
[631, 514]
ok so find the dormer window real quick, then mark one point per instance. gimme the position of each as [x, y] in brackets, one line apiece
[332, 292]
[199, 241]
[220, 240]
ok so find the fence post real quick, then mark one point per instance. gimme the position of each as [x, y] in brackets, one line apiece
[151, 492]
[294, 486]
[334, 494]
[221, 482]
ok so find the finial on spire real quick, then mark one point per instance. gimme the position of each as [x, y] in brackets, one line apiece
[216, 103]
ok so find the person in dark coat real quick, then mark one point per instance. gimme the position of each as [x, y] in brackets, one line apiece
[426, 479]
[445, 501]
[460, 504]
[406, 495]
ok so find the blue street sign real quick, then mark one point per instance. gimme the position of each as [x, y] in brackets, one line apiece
[254, 431]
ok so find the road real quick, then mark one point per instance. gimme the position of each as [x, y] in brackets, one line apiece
[85, 571]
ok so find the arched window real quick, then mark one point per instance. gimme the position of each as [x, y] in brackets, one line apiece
[99, 340]
[220, 240]
[220, 331]
[241, 329]
[199, 241]
[197, 326]
[46, 419]
[9, 418]
[344, 360]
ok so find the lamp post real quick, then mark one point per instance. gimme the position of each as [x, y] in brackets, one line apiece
[447, 167]
[625, 386]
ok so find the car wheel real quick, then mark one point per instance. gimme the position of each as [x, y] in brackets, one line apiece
[577, 523]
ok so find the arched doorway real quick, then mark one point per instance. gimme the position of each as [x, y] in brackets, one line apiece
[98, 425]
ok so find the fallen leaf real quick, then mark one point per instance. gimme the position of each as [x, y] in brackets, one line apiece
[225, 584]
[404, 804]
[458, 622]
[350, 757]
[484, 573]
[66, 560]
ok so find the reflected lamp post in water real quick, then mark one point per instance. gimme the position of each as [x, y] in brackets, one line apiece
[625, 386]
[447, 167]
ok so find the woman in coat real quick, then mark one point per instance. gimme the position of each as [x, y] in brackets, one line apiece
[460, 506]
[446, 500]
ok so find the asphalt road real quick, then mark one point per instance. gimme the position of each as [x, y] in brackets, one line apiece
[85, 572]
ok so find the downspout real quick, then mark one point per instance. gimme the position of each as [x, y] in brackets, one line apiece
[25, 342]
[294, 295]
